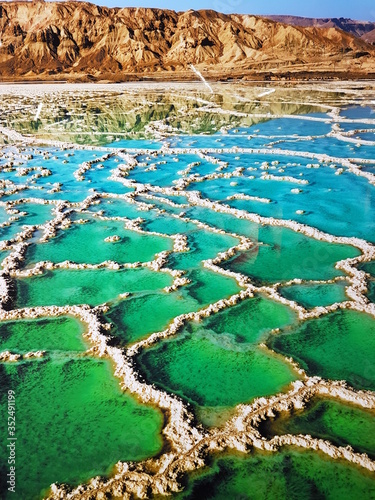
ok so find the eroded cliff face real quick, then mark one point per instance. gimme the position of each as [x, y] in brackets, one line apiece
[75, 39]
[361, 29]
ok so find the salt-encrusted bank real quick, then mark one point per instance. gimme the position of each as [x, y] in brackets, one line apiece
[189, 443]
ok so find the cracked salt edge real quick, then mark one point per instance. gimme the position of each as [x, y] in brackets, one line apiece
[161, 483]
[147, 394]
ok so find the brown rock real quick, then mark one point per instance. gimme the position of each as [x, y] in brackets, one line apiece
[81, 41]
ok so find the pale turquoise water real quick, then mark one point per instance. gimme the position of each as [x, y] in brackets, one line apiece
[132, 247]
[282, 254]
[310, 295]
[93, 287]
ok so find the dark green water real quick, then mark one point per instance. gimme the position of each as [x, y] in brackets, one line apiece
[338, 346]
[340, 423]
[60, 334]
[73, 422]
[285, 475]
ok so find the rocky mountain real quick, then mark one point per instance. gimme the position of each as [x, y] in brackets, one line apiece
[370, 37]
[360, 29]
[80, 41]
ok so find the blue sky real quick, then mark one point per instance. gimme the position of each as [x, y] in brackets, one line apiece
[359, 9]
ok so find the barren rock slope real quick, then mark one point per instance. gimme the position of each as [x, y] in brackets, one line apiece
[72, 40]
[361, 29]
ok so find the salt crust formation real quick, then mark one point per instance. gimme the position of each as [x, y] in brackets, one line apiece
[112, 239]
[189, 442]
[8, 356]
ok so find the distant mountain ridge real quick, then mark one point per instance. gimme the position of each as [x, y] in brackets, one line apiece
[360, 29]
[79, 41]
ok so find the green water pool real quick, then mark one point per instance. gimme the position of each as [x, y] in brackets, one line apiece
[339, 346]
[219, 362]
[288, 474]
[340, 423]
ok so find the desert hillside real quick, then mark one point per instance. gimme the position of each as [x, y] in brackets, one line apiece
[78, 41]
[361, 29]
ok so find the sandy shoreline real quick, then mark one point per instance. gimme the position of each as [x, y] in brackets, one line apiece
[279, 75]
[165, 78]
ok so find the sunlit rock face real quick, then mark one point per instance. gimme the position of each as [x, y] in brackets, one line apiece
[78, 40]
